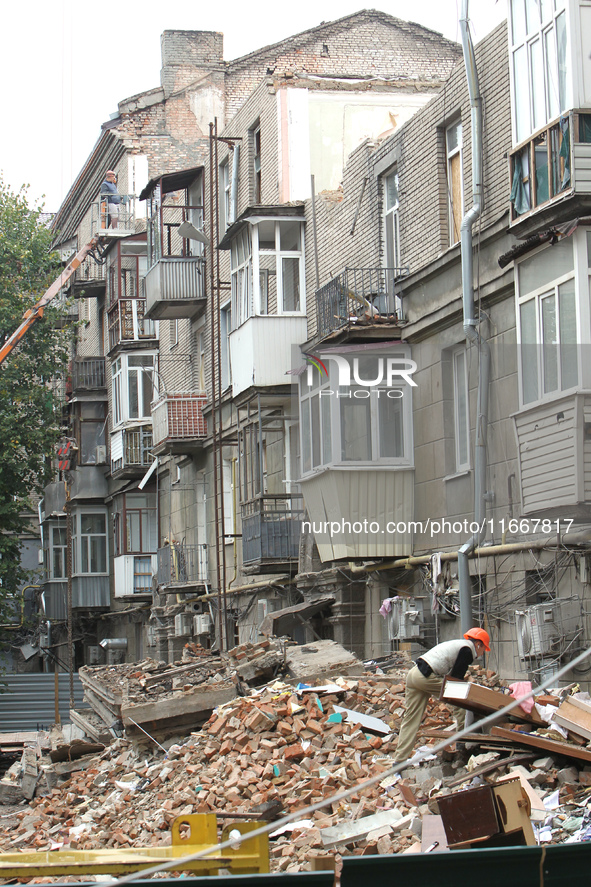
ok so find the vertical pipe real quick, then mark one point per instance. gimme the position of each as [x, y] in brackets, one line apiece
[213, 195]
[470, 326]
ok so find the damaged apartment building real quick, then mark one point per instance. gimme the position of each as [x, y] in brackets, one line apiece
[146, 529]
[344, 388]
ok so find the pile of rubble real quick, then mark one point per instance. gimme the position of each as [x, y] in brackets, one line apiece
[279, 748]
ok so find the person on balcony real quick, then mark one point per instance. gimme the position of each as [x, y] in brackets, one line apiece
[110, 201]
[425, 679]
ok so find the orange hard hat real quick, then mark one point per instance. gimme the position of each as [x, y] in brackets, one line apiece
[479, 634]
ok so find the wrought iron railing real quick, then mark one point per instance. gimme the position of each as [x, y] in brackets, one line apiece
[271, 526]
[359, 296]
[180, 564]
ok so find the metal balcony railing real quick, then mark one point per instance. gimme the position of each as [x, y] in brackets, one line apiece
[136, 447]
[271, 528]
[180, 564]
[128, 323]
[359, 296]
[90, 276]
[88, 373]
[105, 223]
[179, 417]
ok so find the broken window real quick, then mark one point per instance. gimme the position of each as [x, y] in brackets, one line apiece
[455, 183]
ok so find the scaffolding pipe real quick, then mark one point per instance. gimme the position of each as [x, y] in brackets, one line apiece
[470, 327]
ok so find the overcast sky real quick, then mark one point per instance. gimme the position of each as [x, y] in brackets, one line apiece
[65, 64]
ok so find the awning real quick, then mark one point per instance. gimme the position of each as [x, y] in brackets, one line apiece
[281, 621]
[172, 181]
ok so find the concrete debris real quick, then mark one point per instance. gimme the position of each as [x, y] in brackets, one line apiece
[272, 751]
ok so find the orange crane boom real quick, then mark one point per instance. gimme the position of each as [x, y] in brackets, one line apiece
[36, 312]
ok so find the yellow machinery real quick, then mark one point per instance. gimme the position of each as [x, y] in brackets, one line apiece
[190, 834]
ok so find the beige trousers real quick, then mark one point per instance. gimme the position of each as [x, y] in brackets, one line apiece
[418, 691]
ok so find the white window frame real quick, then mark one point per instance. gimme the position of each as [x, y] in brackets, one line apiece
[224, 192]
[78, 544]
[120, 379]
[455, 214]
[329, 448]
[247, 275]
[461, 408]
[174, 333]
[542, 33]
[579, 277]
[225, 329]
[63, 547]
[390, 219]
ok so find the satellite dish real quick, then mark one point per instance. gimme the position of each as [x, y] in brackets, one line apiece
[190, 232]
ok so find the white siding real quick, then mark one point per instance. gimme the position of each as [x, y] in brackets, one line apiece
[261, 350]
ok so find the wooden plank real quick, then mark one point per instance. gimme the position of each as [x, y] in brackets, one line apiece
[490, 766]
[551, 745]
[483, 700]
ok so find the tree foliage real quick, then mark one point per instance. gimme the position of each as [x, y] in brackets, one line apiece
[29, 395]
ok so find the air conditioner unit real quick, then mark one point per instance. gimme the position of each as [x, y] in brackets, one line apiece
[536, 630]
[92, 655]
[101, 454]
[183, 625]
[151, 636]
[201, 624]
[405, 619]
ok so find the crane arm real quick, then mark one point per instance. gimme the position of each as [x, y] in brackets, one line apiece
[36, 312]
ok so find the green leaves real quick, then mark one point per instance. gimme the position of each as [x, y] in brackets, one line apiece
[30, 406]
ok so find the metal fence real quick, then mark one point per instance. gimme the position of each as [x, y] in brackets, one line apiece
[27, 701]
[89, 372]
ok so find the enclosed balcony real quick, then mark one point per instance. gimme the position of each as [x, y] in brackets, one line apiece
[359, 297]
[551, 174]
[182, 565]
[110, 223]
[126, 269]
[178, 422]
[131, 449]
[175, 282]
[271, 526]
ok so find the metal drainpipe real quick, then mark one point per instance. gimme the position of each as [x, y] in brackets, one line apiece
[470, 326]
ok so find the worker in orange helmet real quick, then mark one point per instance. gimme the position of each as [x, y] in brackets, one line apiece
[450, 658]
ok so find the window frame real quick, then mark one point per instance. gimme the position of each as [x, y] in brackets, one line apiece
[579, 276]
[454, 219]
[461, 429]
[250, 303]
[550, 56]
[61, 547]
[120, 386]
[320, 451]
[391, 250]
[256, 163]
[224, 186]
[78, 544]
